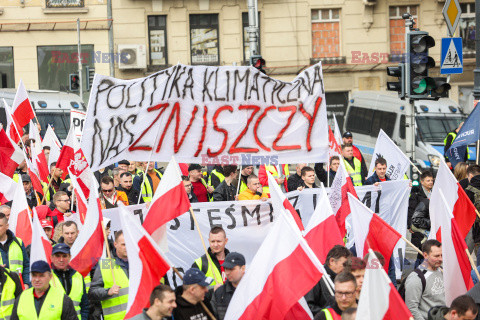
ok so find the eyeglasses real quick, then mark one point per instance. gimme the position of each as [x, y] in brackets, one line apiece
[346, 294]
[188, 185]
[110, 190]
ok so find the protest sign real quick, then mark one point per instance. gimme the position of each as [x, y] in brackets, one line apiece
[77, 121]
[208, 115]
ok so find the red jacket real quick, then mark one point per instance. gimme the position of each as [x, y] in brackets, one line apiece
[262, 176]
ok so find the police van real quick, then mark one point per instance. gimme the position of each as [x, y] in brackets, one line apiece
[51, 107]
[370, 111]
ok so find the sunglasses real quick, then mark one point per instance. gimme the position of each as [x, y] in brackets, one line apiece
[110, 190]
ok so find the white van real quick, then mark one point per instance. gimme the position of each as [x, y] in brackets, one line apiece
[51, 107]
[370, 111]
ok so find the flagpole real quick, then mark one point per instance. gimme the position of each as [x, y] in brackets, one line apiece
[48, 187]
[472, 263]
[201, 302]
[108, 253]
[413, 246]
[145, 171]
[240, 179]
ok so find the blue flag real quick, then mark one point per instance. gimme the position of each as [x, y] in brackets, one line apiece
[469, 133]
[456, 155]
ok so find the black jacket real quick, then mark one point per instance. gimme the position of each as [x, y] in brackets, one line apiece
[421, 215]
[68, 309]
[192, 197]
[294, 181]
[213, 178]
[374, 179]
[319, 297]
[334, 306]
[323, 176]
[474, 182]
[416, 196]
[221, 299]
[187, 311]
[225, 192]
[132, 195]
[65, 278]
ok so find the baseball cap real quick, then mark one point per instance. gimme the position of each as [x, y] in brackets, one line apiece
[194, 166]
[46, 224]
[61, 248]
[233, 259]
[40, 266]
[196, 276]
[347, 134]
[26, 178]
[124, 162]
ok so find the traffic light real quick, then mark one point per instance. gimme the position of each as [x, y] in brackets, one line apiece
[74, 82]
[258, 62]
[399, 86]
[441, 88]
[90, 76]
[419, 84]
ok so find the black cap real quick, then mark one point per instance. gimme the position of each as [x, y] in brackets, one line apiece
[61, 248]
[194, 166]
[40, 266]
[124, 162]
[233, 259]
[347, 134]
[26, 178]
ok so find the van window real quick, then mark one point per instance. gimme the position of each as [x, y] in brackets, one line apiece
[383, 120]
[359, 120]
[60, 121]
[402, 127]
[435, 129]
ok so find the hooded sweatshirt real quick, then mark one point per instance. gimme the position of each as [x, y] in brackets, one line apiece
[187, 311]
[437, 313]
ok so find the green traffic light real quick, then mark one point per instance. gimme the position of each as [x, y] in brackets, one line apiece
[422, 85]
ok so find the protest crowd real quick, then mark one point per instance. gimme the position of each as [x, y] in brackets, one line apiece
[70, 247]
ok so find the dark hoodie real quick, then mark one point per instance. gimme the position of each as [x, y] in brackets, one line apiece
[437, 313]
[187, 311]
[319, 297]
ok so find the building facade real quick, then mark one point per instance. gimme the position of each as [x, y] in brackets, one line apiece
[355, 39]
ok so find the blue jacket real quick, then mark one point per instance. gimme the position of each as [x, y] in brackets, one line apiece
[26, 260]
[373, 179]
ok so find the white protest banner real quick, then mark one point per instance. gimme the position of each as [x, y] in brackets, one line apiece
[397, 161]
[209, 115]
[77, 121]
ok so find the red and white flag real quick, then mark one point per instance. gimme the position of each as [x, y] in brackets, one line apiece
[22, 108]
[11, 156]
[322, 232]
[334, 148]
[20, 222]
[51, 140]
[338, 133]
[379, 299]
[79, 168]
[80, 198]
[456, 265]
[146, 263]
[341, 185]
[283, 261]
[170, 201]
[371, 232]
[88, 247]
[41, 248]
[38, 157]
[8, 188]
[13, 129]
[280, 201]
[457, 199]
[32, 172]
[68, 150]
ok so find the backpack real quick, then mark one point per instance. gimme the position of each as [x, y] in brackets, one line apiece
[421, 275]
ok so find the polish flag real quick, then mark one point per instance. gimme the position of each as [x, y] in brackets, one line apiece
[371, 232]
[379, 299]
[80, 197]
[146, 262]
[463, 208]
[13, 130]
[22, 108]
[170, 201]
[341, 185]
[284, 269]
[338, 133]
[11, 156]
[51, 140]
[41, 248]
[81, 170]
[8, 188]
[456, 266]
[38, 157]
[88, 247]
[322, 232]
[32, 172]
[67, 153]
[334, 148]
[20, 222]
[279, 199]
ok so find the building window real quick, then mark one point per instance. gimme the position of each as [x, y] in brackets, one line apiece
[246, 38]
[7, 75]
[64, 3]
[157, 38]
[204, 39]
[326, 35]
[467, 29]
[397, 30]
[56, 63]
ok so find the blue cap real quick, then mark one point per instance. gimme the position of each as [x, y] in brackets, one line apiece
[40, 266]
[196, 276]
[61, 248]
[233, 259]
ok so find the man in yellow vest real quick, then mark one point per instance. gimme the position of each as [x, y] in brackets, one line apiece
[216, 176]
[70, 280]
[212, 265]
[10, 289]
[146, 187]
[12, 252]
[244, 174]
[43, 301]
[447, 142]
[354, 167]
[113, 295]
[279, 172]
[345, 297]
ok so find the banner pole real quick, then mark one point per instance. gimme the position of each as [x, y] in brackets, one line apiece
[239, 180]
[472, 263]
[145, 171]
[411, 245]
[48, 187]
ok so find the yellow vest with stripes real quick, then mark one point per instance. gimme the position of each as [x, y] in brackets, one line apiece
[52, 307]
[8, 298]
[220, 177]
[76, 292]
[15, 257]
[212, 270]
[273, 171]
[147, 190]
[355, 173]
[115, 307]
